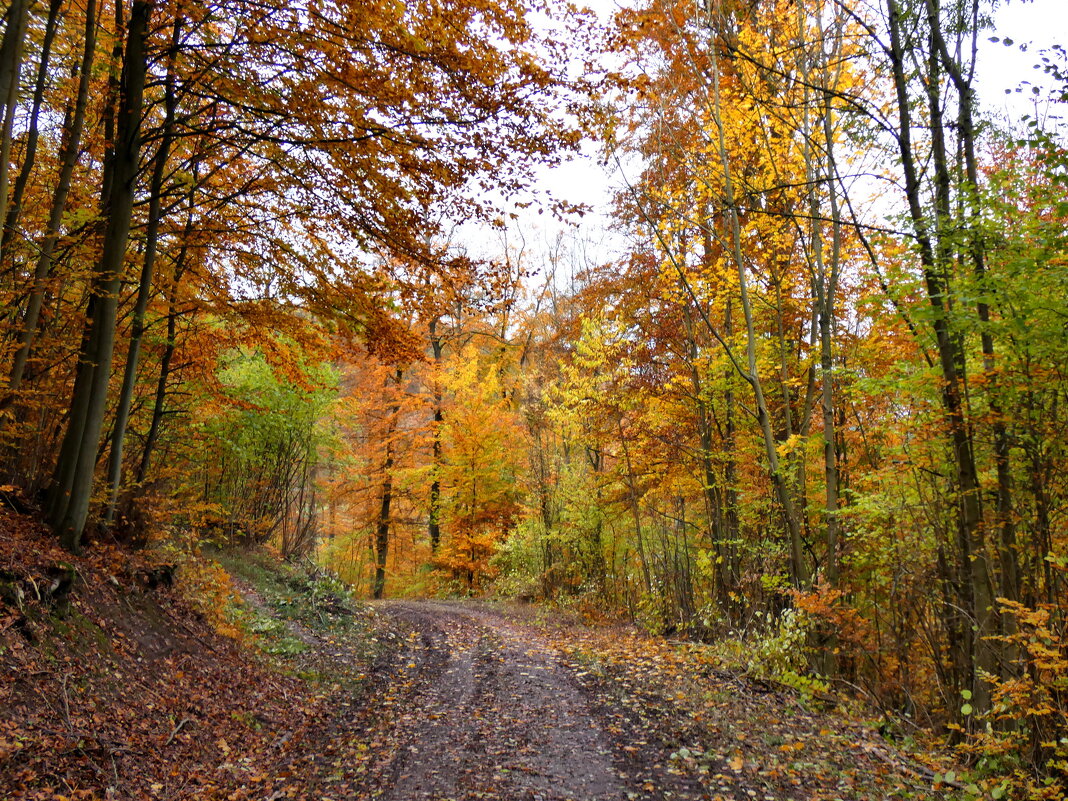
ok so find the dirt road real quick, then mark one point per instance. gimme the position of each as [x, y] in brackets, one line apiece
[481, 708]
[136, 696]
[471, 702]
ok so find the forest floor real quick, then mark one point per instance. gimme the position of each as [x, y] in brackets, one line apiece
[126, 689]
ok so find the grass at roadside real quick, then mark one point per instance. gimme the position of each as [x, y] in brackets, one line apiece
[304, 619]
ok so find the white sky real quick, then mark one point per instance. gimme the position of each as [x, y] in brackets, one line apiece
[1002, 69]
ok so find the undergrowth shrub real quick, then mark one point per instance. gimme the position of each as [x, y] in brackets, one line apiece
[774, 647]
[781, 651]
[207, 588]
[654, 612]
[1023, 748]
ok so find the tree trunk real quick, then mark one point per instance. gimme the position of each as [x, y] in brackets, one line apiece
[935, 255]
[32, 133]
[434, 512]
[383, 524]
[158, 404]
[172, 326]
[730, 469]
[826, 287]
[713, 492]
[68, 507]
[68, 158]
[1007, 548]
[11, 48]
[798, 568]
[635, 511]
[144, 289]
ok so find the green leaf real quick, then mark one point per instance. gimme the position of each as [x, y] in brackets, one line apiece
[966, 710]
[966, 695]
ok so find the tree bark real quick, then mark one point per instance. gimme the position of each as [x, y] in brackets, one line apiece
[935, 249]
[798, 569]
[826, 288]
[434, 512]
[11, 48]
[1007, 548]
[32, 134]
[635, 510]
[382, 526]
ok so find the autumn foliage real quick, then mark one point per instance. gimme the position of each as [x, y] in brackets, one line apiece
[810, 408]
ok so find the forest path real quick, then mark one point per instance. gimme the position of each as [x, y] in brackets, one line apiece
[483, 707]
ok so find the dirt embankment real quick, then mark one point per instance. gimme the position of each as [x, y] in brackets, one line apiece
[120, 689]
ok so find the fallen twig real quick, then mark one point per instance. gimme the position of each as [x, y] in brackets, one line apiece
[177, 729]
[918, 771]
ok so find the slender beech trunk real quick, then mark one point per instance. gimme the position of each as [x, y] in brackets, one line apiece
[798, 568]
[68, 158]
[599, 566]
[111, 102]
[730, 464]
[159, 403]
[171, 295]
[383, 525]
[68, 507]
[825, 283]
[540, 468]
[11, 49]
[635, 511]
[713, 493]
[434, 512]
[144, 289]
[32, 133]
[962, 82]
[1038, 469]
[11, 43]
